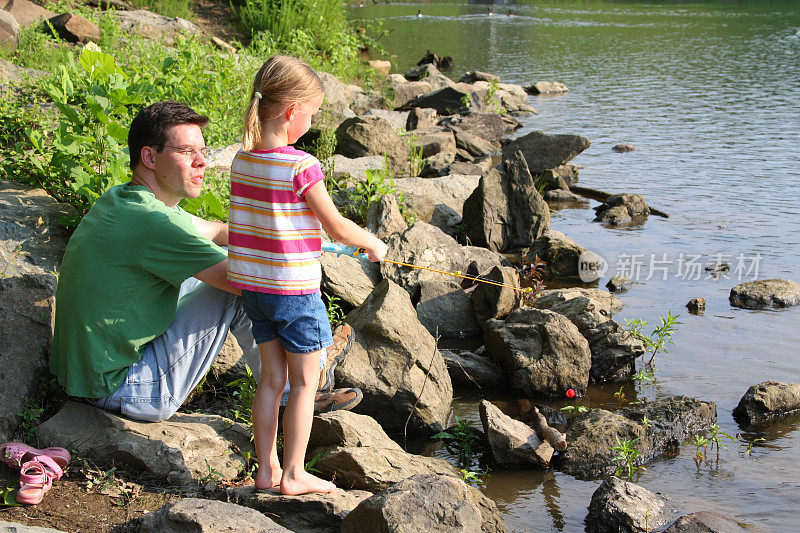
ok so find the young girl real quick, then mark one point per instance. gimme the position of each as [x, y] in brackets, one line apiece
[279, 207]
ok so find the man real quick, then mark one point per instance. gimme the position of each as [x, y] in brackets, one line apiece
[143, 305]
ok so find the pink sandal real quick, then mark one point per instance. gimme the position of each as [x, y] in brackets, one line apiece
[34, 481]
[15, 454]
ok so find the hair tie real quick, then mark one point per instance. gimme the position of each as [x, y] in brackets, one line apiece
[259, 95]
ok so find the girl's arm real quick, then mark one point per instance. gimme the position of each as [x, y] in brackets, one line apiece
[339, 228]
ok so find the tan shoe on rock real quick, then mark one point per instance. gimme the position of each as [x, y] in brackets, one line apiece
[342, 342]
[337, 399]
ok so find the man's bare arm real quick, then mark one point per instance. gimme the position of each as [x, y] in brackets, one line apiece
[217, 232]
[217, 276]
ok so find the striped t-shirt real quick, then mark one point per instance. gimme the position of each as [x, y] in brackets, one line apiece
[275, 241]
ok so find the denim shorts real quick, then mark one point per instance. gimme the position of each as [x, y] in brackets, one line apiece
[298, 321]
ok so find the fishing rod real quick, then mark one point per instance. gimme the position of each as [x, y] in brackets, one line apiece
[341, 249]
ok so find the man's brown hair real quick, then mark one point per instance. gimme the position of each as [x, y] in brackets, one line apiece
[151, 126]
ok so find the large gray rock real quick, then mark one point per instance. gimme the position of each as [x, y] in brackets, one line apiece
[543, 151]
[10, 72]
[309, 513]
[495, 301]
[559, 253]
[190, 515]
[397, 119]
[349, 278]
[546, 87]
[438, 201]
[446, 100]
[765, 293]
[26, 12]
[74, 28]
[366, 135]
[708, 522]
[395, 362]
[421, 118]
[488, 126]
[506, 211]
[622, 209]
[9, 32]
[511, 97]
[408, 91]
[32, 244]
[445, 309]
[153, 26]
[618, 505]
[543, 351]
[11, 527]
[475, 146]
[767, 400]
[614, 349]
[384, 217]
[358, 166]
[512, 443]
[471, 371]
[348, 429]
[180, 450]
[427, 503]
[432, 142]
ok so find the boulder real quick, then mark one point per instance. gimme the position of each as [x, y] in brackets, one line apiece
[397, 119]
[315, 512]
[153, 26]
[622, 209]
[9, 32]
[384, 218]
[380, 66]
[349, 430]
[465, 168]
[438, 201]
[357, 167]
[421, 71]
[472, 76]
[543, 151]
[366, 102]
[421, 118]
[73, 28]
[349, 278]
[222, 158]
[619, 284]
[25, 12]
[10, 72]
[765, 293]
[446, 101]
[493, 301]
[445, 310]
[32, 244]
[406, 92]
[408, 507]
[696, 305]
[394, 361]
[546, 87]
[188, 515]
[766, 401]
[707, 522]
[430, 143]
[618, 505]
[511, 97]
[11, 527]
[178, 451]
[528, 210]
[474, 145]
[559, 253]
[543, 352]
[559, 195]
[512, 443]
[470, 370]
[366, 135]
[339, 96]
[622, 148]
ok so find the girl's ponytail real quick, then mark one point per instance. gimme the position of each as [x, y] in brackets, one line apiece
[251, 135]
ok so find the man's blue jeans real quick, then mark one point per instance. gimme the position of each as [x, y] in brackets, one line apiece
[174, 363]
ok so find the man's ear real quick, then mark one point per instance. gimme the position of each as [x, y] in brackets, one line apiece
[147, 157]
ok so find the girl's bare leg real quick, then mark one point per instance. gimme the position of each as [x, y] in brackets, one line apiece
[297, 418]
[265, 413]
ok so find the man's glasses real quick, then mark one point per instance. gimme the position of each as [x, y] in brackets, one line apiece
[191, 151]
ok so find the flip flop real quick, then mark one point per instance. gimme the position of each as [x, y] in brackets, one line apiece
[34, 482]
[15, 454]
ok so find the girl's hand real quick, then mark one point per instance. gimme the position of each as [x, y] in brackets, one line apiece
[377, 251]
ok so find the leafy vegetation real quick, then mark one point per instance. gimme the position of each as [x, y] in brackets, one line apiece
[659, 338]
[626, 458]
[244, 393]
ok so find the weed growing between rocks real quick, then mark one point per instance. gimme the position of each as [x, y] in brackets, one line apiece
[659, 338]
[334, 308]
[464, 443]
[626, 457]
[243, 395]
[531, 275]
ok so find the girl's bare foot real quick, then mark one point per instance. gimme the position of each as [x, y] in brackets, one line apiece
[268, 477]
[303, 483]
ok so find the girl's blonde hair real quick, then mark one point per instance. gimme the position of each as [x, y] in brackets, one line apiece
[280, 82]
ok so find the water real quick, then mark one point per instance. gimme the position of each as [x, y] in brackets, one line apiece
[709, 93]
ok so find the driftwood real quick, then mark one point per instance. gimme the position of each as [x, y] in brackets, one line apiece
[551, 435]
[600, 196]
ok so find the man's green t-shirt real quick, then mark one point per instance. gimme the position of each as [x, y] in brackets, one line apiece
[118, 286]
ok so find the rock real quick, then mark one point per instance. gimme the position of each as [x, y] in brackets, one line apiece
[179, 451]
[512, 98]
[357, 167]
[543, 351]
[559, 195]
[622, 148]
[348, 429]
[560, 254]
[339, 96]
[364, 136]
[25, 12]
[472, 76]
[9, 32]
[543, 151]
[74, 28]
[11, 527]
[421, 118]
[380, 66]
[474, 145]
[188, 515]
[12, 73]
[482, 261]
[621, 209]
[488, 126]
[707, 522]
[614, 349]
[222, 45]
[32, 244]
[397, 119]
[152, 26]
[408, 91]
[493, 301]
[392, 357]
[765, 293]
[621, 506]
[445, 310]
[767, 400]
[695, 305]
[546, 87]
[422, 70]
[619, 284]
[430, 143]
[384, 218]
[222, 158]
[446, 101]
[408, 507]
[365, 102]
[349, 278]
[505, 210]
[512, 443]
[427, 197]
[470, 370]
[465, 168]
[315, 512]
[426, 246]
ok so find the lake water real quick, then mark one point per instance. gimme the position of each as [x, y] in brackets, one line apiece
[709, 94]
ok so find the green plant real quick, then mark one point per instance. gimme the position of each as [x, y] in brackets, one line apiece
[746, 445]
[29, 419]
[376, 185]
[244, 393]
[168, 8]
[660, 337]
[626, 457]
[106, 482]
[466, 100]
[492, 100]
[646, 376]
[461, 440]
[211, 476]
[646, 422]
[700, 441]
[335, 312]
[416, 163]
[310, 466]
[471, 477]
[325, 146]
[8, 495]
[574, 409]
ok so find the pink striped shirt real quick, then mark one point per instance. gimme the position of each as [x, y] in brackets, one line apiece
[275, 241]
